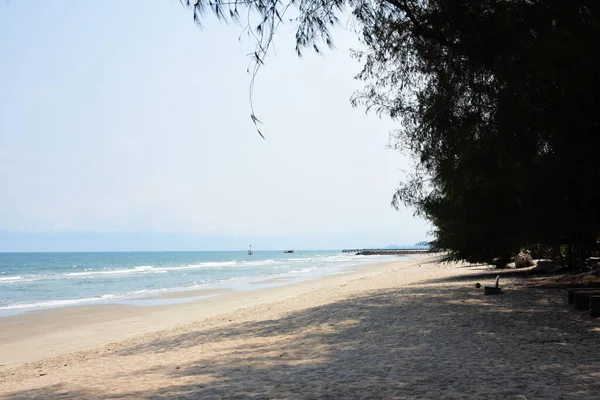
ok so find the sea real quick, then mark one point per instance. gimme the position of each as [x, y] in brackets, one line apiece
[34, 281]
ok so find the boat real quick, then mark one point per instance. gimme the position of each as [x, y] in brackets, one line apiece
[250, 252]
[288, 251]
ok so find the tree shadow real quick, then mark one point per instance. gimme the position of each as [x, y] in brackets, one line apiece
[402, 343]
[486, 277]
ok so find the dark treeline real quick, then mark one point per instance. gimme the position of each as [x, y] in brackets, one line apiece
[496, 102]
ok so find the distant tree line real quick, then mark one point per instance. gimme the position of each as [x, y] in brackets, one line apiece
[497, 102]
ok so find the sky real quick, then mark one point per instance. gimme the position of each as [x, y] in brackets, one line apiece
[124, 126]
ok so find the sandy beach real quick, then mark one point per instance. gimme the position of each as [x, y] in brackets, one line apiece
[408, 329]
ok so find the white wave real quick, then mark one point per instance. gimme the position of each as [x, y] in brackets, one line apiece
[55, 303]
[303, 270]
[260, 263]
[71, 302]
[9, 279]
[204, 265]
[153, 269]
[216, 263]
[106, 297]
[135, 270]
[144, 268]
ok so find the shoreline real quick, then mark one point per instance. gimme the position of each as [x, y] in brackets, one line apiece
[39, 334]
[169, 295]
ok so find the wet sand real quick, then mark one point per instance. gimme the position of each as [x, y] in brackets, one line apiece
[188, 293]
[271, 281]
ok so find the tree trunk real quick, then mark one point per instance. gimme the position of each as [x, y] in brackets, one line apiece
[560, 254]
[570, 258]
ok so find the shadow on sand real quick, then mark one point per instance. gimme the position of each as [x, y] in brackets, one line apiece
[428, 342]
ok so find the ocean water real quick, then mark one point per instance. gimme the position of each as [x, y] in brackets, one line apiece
[33, 281]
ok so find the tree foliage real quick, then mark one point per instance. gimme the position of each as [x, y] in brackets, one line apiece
[495, 100]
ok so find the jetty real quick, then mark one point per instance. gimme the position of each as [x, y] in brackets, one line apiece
[371, 252]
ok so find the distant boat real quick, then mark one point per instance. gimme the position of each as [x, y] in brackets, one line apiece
[250, 252]
[288, 251]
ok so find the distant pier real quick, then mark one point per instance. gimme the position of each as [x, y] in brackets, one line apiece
[371, 252]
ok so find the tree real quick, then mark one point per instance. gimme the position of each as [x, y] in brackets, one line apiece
[495, 101]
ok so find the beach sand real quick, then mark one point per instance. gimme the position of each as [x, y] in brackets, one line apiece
[411, 329]
[271, 281]
[187, 294]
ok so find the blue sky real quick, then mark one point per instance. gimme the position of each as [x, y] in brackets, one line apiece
[123, 126]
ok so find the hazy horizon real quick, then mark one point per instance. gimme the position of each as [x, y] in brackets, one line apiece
[119, 242]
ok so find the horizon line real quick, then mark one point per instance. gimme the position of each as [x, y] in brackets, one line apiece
[408, 247]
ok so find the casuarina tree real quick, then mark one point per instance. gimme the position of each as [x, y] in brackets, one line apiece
[495, 101]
